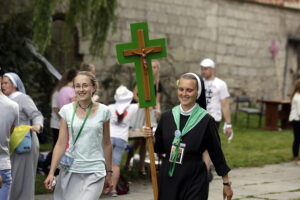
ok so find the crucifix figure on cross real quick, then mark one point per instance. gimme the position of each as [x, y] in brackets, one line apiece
[140, 52]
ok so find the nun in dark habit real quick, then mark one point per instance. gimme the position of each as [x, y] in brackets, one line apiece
[183, 134]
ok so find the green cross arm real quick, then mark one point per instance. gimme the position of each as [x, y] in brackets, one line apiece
[140, 52]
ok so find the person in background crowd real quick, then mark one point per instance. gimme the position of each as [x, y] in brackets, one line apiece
[9, 116]
[139, 120]
[294, 118]
[66, 92]
[122, 112]
[217, 102]
[86, 165]
[88, 67]
[54, 125]
[158, 86]
[24, 164]
[55, 118]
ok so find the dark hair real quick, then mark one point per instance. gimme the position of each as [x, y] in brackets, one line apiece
[67, 77]
[87, 67]
[1, 72]
[121, 116]
[296, 88]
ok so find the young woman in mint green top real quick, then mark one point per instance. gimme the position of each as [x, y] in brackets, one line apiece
[83, 150]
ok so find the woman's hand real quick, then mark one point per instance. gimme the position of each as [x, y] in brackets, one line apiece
[50, 182]
[147, 132]
[157, 113]
[227, 192]
[36, 128]
[108, 184]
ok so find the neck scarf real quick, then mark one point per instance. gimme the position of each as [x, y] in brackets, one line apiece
[196, 116]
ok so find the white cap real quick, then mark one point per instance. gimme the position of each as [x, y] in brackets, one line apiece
[123, 98]
[207, 62]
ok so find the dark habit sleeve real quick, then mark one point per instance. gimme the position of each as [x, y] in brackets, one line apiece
[159, 145]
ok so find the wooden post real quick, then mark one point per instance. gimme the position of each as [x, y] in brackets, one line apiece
[151, 156]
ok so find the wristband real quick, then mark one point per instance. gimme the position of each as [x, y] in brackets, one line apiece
[227, 125]
[227, 184]
[224, 131]
[109, 171]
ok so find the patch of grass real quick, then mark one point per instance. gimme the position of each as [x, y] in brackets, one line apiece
[256, 146]
[39, 180]
[39, 185]
[255, 197]
[46, 147]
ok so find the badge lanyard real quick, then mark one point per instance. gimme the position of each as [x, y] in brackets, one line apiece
[197, 114]
[82, 125]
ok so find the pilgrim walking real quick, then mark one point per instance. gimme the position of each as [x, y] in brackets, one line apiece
[23, 160]
[183, 134]
[9, 112]
[122, 112]
[86, 164]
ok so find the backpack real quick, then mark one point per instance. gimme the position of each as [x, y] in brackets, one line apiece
[122, 186]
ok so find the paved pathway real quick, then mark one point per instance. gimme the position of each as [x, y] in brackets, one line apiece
[271, 182]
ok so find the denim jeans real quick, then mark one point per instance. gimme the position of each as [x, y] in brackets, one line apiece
[6, 183]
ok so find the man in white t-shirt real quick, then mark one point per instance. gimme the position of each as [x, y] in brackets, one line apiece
[9, 116]
[217, 95]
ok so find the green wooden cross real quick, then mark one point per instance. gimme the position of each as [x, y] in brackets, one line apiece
[141, 51]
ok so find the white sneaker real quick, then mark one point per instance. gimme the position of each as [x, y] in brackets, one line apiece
[114, 193]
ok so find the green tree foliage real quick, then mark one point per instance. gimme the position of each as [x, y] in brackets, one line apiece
[16, 57]
[93, 16]
[34, 23]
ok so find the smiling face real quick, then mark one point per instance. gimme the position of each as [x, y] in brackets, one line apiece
[7, 86]
[187, 93]
[84, 88]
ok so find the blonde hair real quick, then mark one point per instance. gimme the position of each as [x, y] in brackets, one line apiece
[189, 77]
[156, 78]
[92, 77]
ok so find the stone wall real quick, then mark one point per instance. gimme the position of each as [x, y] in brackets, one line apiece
[236, 34]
